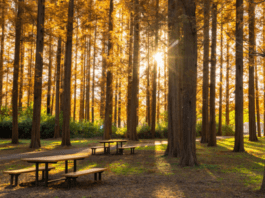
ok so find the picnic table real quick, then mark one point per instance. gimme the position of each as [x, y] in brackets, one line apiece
[106, 148]
[53, 159]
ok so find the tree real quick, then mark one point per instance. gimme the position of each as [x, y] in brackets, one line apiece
[212, 132]
[35, 132]
[67, 77]
[109, 91]
[153, 115]
[16, 74]
[205, 119]
[132, 124]
[2, 52]
[239, 141]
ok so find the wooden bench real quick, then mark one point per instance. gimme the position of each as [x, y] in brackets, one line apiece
[16, 173]
[127, 147]
[74, 175]
[95, 148]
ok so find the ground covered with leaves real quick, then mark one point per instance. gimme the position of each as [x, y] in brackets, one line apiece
[148, 173]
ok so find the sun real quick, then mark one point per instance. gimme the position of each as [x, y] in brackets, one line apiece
[159, 59]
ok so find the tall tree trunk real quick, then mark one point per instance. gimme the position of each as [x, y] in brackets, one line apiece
[35, 133]
[263, 35]
[67, 78]
[212, 132]
[158, 96]
[88, 82]
[227, 82]
[109, 91]
[165, 83]
[134, 86]
[82, 84]
[2, 53]
[257, 101]
[62, 76]
[153, 124]
[148, 83]
[205, 117]
[53, 90]
[129, 89]
[116, 102]
[30, 68]
[93, 76]
[20, 95]
[251, 85]
[221, 81]
[239, 141]
[16, 74]
[103, 78]
[7, 75]
[49, 76]
[119, 103]
[57, 105]
[76, 45]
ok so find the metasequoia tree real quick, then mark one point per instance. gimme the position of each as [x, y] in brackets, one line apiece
[227, 82]
[35, 132]
[132, 124]
[109, 91]
[251, 88]
[16, 74]
[93, 74]
[212, 131]
[67, 77]
[153, 117]
[182, 64]
[2, 52]
[205, 119]
[239, 141]
[219, 132]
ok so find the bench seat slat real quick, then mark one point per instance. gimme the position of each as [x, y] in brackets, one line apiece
[27, 170]
[84, 172]
[125, 147]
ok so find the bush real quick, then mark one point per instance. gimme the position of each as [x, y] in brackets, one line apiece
[227, 130]
[144, 132]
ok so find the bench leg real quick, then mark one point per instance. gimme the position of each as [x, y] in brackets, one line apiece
[11, 180]
[95, 176]
[42, 178]
[99, 176]
[16, 179]
[37, 173]
[121, 151]
[133, 150]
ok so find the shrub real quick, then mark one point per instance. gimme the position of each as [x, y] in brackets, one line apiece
[227, 130]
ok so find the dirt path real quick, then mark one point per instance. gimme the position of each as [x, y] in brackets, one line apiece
[65, 151]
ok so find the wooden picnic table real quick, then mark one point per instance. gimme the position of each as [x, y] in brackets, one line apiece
[53, 159]
[106, 148]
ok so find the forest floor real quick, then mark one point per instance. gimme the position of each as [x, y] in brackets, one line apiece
[221, 172]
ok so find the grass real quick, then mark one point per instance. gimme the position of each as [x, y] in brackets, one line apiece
[218, 163]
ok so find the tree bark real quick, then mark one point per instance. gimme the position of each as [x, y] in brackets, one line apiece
[239, 141]
[158, 96]
[148, 120]
[205, 89]
[35, 133]
[16, 74]
[103, 78]
[109, 91]
[57, 105]
[257, 101]
[75, 75]
[93, 76]
[227, 82]
[67, 78]
[212, 131]
[221, 81]
[129, 89]
[29, 69]
[2, 53]
[153, 117]
[49, 76]
[20, 95]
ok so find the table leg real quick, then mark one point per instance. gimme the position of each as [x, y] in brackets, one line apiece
[74, 165]
[66, 166]
[104, 149]
[46, 174]
[109, 149]
[117, 147]
[37, 173]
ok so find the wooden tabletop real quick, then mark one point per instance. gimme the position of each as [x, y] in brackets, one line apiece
[55, 158]
[120, 140]
[106, 141]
